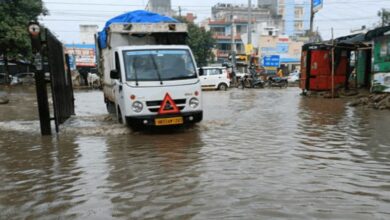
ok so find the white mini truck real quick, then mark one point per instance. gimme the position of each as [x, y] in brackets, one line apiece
[150, 75]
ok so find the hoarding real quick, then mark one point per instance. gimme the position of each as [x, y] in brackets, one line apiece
[317, 5]
[84, 54]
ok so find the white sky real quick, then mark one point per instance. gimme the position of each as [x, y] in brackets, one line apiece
[66, 15]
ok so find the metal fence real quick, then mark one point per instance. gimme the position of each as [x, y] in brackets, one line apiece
[61, 80]
[46, 47]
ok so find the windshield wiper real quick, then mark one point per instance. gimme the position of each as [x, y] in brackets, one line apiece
[157, 70]
[181, 77]
[136, 76]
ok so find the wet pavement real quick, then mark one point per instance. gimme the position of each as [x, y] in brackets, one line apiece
[258, 154]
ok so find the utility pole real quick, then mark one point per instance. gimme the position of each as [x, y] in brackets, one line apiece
[249, 22]
[333, 61]
[233, 32]
[233, 47]
[179, 11]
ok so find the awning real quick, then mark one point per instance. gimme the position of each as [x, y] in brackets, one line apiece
[351, 39]
[378, 32]
[290, 60]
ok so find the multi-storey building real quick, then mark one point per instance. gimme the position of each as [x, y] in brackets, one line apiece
[295, 14]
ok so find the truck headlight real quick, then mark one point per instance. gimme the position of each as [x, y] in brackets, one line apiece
[194, 102]
[137, 106]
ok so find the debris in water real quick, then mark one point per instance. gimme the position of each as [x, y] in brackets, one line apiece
[4, 100]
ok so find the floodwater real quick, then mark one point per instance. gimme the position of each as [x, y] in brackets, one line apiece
[258, 154]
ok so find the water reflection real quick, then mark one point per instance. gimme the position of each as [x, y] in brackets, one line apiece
[152, 175]
[38, 174]
[336, 144]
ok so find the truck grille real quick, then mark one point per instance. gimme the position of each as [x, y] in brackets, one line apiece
[154, 106]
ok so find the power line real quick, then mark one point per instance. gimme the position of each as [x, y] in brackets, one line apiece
[199, 6]
[303, 20]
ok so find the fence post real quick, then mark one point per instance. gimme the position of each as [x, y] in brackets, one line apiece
[41, 89]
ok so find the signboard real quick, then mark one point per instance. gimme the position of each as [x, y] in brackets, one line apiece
[84, 54]
[282, 48]
[381, 82]
[248, 49]
[317, 5]
[271, 61]
[72, 62]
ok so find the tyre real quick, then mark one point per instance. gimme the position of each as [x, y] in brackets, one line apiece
[121, 118]
[110, 107]
[240, 84]
[222, 87]
[283, 84]
[248, 83]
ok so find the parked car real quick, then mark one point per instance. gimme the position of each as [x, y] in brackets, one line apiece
[3, 78]
[23, 78]
[214, 78]
[293, 77]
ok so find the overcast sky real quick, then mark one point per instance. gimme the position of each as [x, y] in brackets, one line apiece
[66, 15]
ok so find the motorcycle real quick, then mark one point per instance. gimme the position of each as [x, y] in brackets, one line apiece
[250, 80]
[275, 81]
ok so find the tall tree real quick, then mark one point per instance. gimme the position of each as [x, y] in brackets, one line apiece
[14, 17]
[200, 41]
[384, 16]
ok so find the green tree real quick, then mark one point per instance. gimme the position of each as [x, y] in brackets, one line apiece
[14, 18]
[384, 16]
[200, 41]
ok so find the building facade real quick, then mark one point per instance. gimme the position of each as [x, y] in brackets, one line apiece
[163, 7]
[294, 14]
[232, 20]
[287, 49]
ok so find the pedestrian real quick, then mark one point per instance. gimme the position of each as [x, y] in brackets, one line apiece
[280, 73]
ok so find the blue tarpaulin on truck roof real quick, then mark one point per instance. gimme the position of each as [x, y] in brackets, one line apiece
[139, 16]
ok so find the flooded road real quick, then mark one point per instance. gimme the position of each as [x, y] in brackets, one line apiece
[258, 154]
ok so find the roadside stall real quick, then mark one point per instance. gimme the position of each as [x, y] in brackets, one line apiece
[317, 73]
[381, 59]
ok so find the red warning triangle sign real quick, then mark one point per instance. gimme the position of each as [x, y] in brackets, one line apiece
[168, 106]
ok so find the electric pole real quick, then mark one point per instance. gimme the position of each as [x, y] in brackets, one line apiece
[179, 11]
[233, 47]
[311, 18]
[249, 22]
[233, 31]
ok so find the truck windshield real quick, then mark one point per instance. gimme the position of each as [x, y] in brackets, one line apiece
[158, 65]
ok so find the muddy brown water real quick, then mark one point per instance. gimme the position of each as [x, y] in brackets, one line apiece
[258, 154]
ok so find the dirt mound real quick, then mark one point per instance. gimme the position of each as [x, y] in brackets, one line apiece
[377, 101]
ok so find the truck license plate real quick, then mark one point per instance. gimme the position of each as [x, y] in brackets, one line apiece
[169, 121]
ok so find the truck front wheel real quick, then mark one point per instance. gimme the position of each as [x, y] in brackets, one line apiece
[110, 107]
[121, 118]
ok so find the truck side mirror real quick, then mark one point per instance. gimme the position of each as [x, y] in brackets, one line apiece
[201, 73]
[114, 74]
